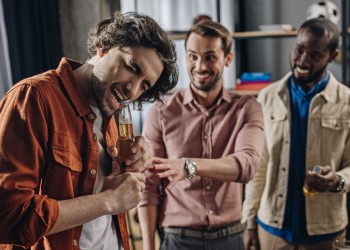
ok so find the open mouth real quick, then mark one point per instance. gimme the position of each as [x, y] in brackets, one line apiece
[118, 96]
[201, 76]
[302, 71]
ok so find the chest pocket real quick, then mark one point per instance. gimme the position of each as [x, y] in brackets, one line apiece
[275, 124]
[66, 152]
[335, 124]
[63, 168]
[334, 132]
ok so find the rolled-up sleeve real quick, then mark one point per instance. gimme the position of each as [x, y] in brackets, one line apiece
[249, 141]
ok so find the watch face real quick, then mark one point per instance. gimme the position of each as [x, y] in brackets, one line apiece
[191, 168]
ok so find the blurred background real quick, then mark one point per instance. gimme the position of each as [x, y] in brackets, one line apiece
[35, 34]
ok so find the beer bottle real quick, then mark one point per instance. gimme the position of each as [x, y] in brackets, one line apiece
[125, 130]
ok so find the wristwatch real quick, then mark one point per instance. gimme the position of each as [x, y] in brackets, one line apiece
[341, 185]
[190, 167]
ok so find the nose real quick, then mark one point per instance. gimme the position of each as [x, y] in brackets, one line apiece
[133, 88]
[304, 59]
[200, 65]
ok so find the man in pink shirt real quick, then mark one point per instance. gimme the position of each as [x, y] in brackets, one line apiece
[207, 142]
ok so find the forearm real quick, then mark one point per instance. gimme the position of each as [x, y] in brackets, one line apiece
[222, 169]
[77, 211]
[148, 221]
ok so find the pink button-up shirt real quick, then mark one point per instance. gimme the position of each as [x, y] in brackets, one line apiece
[182, 128]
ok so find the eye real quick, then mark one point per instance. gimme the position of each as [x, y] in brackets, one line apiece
[192, 57]
[210, 58]
[299, 51]
[133, 67]
[145, 85]
[315, 57]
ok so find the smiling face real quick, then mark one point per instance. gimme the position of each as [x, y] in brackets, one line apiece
[205, 62]
[123, 73]
[309, 58]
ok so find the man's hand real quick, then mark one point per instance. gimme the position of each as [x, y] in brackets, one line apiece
[250, 239]
[325, 181]
[140, 158]
[173, 169]
[122, 191]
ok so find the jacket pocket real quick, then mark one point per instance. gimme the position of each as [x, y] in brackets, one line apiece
[334, 132]
[335, 124]
[63, 169]
[67, 158]
[65, 151]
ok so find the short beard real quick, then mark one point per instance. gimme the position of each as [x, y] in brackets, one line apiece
[314, 76]
[94, 83]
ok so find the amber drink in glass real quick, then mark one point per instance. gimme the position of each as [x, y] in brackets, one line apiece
[126, 135]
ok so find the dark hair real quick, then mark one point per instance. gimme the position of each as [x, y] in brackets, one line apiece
[200, 18]
[133, 29]
[323, 27]
[209, 28]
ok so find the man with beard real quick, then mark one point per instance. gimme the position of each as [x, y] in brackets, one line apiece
[61, 185]
[297, 199]
[207, 142]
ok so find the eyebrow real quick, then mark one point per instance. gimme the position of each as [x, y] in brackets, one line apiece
[206, 53]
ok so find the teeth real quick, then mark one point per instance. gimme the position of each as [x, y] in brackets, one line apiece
[302, 71]
[201, 76]
[116, 94]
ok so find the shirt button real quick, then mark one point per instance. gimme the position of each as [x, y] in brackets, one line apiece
[75, 243]
[205, 137]
[93, 171]
[91, 116]
[211, 211]
[208, 187]
[95, 137]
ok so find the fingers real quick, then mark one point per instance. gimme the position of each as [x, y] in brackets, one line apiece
[141, 157]
[322, 182]
[113, 152]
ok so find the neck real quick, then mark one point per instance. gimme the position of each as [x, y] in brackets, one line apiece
[206, 99]
[82, 75]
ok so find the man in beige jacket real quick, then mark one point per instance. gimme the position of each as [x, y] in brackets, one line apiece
[307, 124]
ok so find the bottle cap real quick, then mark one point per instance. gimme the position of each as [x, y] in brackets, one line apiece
[317, 169]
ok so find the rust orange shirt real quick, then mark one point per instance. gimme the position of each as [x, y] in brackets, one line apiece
[48, 152]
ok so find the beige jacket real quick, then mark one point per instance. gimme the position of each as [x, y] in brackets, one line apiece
[328, 143]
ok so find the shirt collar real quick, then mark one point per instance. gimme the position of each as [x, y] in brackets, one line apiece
[74, 92]
[188, 96]
[318, 87]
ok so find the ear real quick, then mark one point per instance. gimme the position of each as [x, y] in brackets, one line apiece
[101, 52]
[228, 59]
[333, 55]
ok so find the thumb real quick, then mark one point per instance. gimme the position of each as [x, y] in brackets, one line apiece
[113, 152]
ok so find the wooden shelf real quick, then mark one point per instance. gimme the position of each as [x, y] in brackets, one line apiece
[246, 92]
[243, 35]
[263, 34]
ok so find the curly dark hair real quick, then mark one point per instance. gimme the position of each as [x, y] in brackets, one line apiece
[132, 30]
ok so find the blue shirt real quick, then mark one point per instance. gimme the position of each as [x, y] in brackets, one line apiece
[294, 225]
